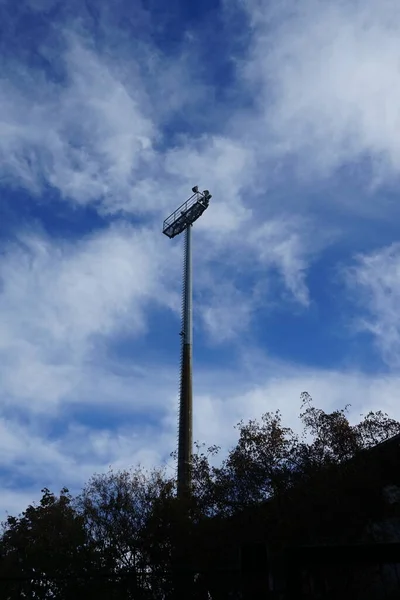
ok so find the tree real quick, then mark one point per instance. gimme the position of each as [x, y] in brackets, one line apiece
[293, 489]
[45, 552]
[125, 535]
[128, 516]
[269, 460]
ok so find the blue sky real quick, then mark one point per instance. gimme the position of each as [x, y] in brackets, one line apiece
[109, 113]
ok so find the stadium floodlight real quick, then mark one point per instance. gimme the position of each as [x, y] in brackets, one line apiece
[187, 213]
[181, 220]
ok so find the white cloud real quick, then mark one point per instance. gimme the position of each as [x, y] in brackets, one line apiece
[227, 164]
[97, 135]
[278, 387]
[73, 457]
[225, 311]
[14, 501]
[59, 299]
[222, 398]
[250, 270]
[279, 243]
[86, 138]
[98, 138]
[375, 284]
[328, 82]
[62, 304]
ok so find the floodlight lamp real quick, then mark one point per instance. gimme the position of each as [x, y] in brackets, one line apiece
[187, 213]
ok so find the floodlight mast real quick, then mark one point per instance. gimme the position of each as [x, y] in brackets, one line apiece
[182, 220]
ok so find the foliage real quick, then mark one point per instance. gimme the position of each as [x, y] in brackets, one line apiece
[124, 535]
[45, 551]
[125, 516]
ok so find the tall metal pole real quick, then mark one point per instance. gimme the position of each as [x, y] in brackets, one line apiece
[185, 442]
[181, 220]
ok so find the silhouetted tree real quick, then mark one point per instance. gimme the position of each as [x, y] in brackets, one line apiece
[125, 534]
[129, 518]
[45, 552]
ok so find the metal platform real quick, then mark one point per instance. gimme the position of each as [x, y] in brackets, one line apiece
[185, 215]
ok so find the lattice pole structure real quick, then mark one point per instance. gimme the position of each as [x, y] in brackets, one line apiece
[185, 435]
[182, 220]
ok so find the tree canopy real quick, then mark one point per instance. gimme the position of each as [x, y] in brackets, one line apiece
[119, 538]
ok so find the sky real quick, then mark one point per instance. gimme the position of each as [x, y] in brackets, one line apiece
[289, 113]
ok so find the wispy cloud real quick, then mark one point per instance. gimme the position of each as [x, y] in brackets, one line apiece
[106, 120]
[85, 137]
[375, 284]
[60, 299]
[328, 82]
[223, 397]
